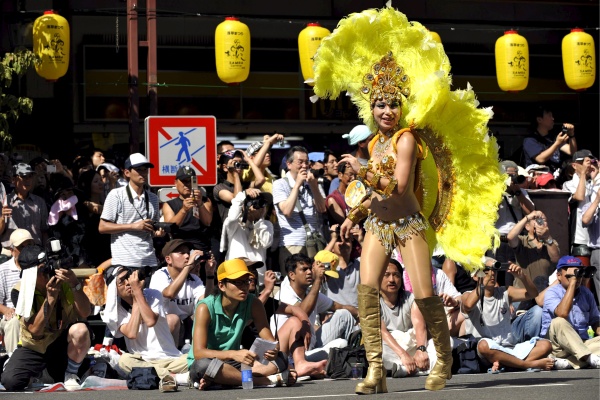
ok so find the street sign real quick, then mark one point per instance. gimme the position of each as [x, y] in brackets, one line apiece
[166, 194]
[174, 141]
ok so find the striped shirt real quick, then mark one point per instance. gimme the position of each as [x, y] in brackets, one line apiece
[9, 276]
[293, 232]
[131, 248]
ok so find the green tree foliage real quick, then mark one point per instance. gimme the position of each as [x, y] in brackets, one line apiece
[11, 106]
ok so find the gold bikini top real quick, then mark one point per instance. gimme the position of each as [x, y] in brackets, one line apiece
[387, 165]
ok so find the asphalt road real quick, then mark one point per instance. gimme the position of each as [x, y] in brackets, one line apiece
[563, 385]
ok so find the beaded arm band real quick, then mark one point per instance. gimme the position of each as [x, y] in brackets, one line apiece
[360, 215]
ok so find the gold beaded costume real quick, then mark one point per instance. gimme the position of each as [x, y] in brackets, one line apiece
[378, 55]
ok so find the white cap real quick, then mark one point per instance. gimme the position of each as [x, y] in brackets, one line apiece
[357, 134]
[19, 236]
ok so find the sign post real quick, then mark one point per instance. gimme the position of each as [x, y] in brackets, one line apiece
[175, 141]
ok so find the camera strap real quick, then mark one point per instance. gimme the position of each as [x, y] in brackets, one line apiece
[299, 209]
[512, 212]
[130, 196]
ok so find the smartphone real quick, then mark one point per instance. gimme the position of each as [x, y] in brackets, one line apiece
[50, 168]
[196, 211]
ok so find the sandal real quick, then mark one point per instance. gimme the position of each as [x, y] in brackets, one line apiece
[288, 377]
[167, 384]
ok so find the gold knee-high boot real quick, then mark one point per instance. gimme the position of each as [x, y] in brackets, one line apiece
[370, 325]
[433, 311]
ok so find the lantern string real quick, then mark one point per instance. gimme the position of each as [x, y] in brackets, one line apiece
[326, 23]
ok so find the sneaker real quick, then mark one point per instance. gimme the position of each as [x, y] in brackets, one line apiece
[398, 371]
[561, 363]
[72, 382]
[167, 384]
[594, 361]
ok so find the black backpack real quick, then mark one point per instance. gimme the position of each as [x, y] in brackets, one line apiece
[340, 360]
[465, 359]
[142, 378]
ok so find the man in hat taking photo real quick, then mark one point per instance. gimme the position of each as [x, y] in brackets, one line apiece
[52, 308]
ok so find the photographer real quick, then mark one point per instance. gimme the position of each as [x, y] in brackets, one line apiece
[569, 308]
[488, 319]
[192, 211]
[51, 304]
[180, 285]
[130, 215]
[537, 253]
[246, 233]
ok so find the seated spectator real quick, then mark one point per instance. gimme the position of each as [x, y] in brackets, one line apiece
[546, 181]
[215, 356]
[302, 287]
[246, 233]
[138, 315]
[180, 287]
[537, 254]
[359, 136]
[53, 336]
[191, 211]
[10, 275]
[403, 329]
[458, 276]
[569, 309]
[542, 147]
[488, 319]
[451, 298]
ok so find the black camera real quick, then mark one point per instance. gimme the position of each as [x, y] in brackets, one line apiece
[565, 130]
[498, 266]
[57, 259]
[517, 179]
[241, 165]
[586, 272]
[168, 227]
[205, 256]
[317, 173]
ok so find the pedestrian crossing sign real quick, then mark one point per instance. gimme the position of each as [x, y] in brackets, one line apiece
[175, 141]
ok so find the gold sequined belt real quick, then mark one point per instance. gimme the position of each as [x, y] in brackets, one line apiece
[394, 232]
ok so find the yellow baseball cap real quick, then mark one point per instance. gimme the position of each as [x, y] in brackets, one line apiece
[232, 269]
[325, 256]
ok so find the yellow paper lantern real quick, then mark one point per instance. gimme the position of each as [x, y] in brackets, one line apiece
[436, 37]
[309, 41]
[51, 42]
[512, 62]
[232, 51]
[579, 59]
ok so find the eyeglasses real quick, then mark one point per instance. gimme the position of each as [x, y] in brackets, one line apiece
[302, 162]
[241, 282]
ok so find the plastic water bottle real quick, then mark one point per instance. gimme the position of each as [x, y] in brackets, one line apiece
[247, 382]
[590, 332]
[186, 347]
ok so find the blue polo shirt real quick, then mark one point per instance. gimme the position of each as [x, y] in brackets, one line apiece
[224, 333]
[584, 312]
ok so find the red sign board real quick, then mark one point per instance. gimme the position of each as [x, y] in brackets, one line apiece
[175, 141]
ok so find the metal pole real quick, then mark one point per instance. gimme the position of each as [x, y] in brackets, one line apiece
[151, 70]
[133, 73]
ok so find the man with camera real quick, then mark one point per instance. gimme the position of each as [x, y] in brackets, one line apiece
[537, 253]
[192, 211]
[180, 285]
[130, 216]
[139, 316]
[52, 308]
[487, 317]
[246, 232]
[542, 148]
[298, 202]
[569, 309]
[581, 188]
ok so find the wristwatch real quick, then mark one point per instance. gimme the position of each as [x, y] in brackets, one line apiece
[422, 348]
[78, 286]
[549, 241]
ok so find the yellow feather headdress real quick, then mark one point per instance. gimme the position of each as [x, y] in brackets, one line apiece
[462, 182]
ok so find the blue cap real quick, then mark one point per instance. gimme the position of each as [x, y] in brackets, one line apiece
[568, 262]
[357, 134]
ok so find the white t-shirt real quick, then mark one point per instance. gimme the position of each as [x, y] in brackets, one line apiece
[581, 235]
[496, 318]
[184, 303]
[153, 343]
[288, 296]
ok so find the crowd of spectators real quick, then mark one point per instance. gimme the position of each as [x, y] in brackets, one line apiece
[191, 282]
